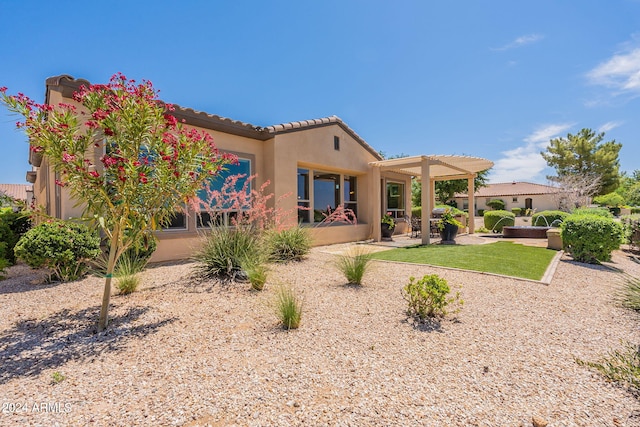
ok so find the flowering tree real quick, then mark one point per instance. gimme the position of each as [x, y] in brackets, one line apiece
[148, 162]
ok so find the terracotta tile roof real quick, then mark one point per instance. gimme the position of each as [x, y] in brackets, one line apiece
[16, 191]
[68, 84]
[512, 189]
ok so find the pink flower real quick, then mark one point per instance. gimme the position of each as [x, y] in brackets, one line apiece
[3, 89]
[108, 161]
[60, 183]
[100, 114]
[108, 132]
[66, 157]
[171, 120]
[94, 174]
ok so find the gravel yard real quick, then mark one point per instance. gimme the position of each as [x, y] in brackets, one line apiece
[183, 353]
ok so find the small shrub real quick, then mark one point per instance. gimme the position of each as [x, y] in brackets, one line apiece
[496, 204]
[288, 308]
[546, 218]
[591, 238]
[631, 225]
[480, 212]
[482, 230]
[57, 378]
[603, 212]
[291, 244]
[257, 274]
[126, 272]
[12, 226]
[630, 293]
[64, 247]
[620, 366]
[428, 297]
[226, 250]
[416, 212]
[354, 265]
[4, 263]
[495, 220]
[516, 211]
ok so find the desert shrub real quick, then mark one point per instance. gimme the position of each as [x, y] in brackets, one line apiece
[290, 244]
[604, 212]
[12, 226]
[354, 265]
[629, 294]
[495, 220]
[620, 366]
[609, 200]
[545, 218]
[64, 247]
[4, 263]
[591, 238]
[257, 274]
[516, 211]
[126, 272]
[428, 297]
[631, 224]
[496, 204]
[635, 210]
[288, 308]
[225, 251]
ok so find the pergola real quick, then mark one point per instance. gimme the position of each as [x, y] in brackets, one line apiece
[435, 168]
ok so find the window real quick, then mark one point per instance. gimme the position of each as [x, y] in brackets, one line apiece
[323, 193]
[222, 212]
[395, 199]
[350, 194]
[336, 143]
[303, 195]
[326, 194]
[515, 199]
[177, 222]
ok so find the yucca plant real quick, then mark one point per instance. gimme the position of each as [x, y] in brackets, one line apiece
[126, 273]
[288, 308]
[620, 366]
[354, 265]
[257, 274]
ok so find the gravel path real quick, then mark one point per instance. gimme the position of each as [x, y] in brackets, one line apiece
[183, 353]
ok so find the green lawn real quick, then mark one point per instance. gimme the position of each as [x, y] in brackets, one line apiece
[506, 258]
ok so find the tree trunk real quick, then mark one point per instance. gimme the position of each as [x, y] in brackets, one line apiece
[106, 296]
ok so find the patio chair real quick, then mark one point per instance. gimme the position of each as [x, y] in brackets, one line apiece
[416, 226]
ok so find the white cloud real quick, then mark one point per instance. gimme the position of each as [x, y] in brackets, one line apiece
[608, 126]
[525, 163]
[621, 72]
[521, 41]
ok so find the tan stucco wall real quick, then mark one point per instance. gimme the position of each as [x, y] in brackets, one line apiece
[540, 202]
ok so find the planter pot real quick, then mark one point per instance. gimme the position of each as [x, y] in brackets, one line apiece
[387, 231]
[448, 233]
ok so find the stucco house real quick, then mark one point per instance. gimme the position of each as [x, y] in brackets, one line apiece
[524, 195]
[323, 163]
[17, 192]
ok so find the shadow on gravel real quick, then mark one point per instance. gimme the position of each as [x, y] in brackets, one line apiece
[32, 346]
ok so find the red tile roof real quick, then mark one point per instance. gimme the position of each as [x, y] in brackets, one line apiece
[16, 191]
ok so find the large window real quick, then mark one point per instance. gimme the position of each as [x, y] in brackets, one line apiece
[320, 193]
[221, 210]
[395, 199]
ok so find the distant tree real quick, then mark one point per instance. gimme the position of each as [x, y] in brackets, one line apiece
[574, 191]
[150, 162]
[446, 190]
[629, 187]
[584, 155]
[609, 200]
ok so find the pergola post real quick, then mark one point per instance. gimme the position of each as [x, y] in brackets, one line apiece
[471, 208]
[377, 203]
[425, 216]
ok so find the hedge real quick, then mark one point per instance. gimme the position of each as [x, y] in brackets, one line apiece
[591, 238]
[495, 220]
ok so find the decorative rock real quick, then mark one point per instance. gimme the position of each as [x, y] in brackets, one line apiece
[539, 422]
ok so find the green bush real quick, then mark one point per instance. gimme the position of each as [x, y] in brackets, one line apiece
[631, 225]
[496, 204]
[291, 244]
[12, 226]
[545, 218]
[257, 274]
[416, 211]
[126, 272]
[635, 210]
[480, 212]
[428, 297]
[4, 263]
[288, 308]
[225, 251]
[516, 211]
[354, 265]
[591, 238]
[495, 220]
[603, 212]
[63, 247]
[609, 200]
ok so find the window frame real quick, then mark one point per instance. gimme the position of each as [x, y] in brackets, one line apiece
[395, 212]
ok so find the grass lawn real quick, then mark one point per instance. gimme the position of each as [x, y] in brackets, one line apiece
[506, 258]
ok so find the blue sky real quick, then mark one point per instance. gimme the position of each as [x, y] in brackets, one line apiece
[494, 79]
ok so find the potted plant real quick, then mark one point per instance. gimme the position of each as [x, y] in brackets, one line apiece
[448, 226]
[387, 225]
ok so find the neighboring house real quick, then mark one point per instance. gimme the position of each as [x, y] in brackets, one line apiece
[18, 192]
[524, 195]
[320, 163]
